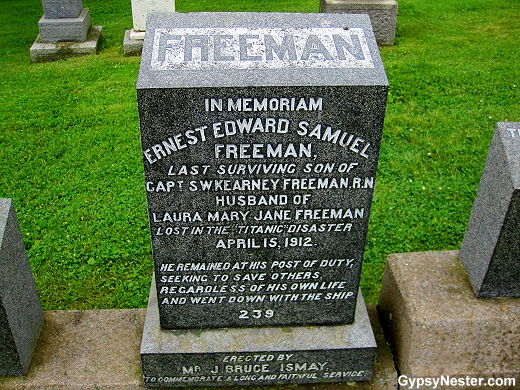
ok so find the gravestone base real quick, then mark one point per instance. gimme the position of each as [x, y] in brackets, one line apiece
[53, 51]
[137, 34]
[256, 356]
[436, 326]
[99, 349]
[132, 46]
[65, 29]
[383, 15]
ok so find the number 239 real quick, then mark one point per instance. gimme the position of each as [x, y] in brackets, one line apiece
[246, 315]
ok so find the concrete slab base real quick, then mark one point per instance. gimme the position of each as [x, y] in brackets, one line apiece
[132, 47]
[382, 13]
[95, 349]
[53, 51]
[436, 326]
[99, 349]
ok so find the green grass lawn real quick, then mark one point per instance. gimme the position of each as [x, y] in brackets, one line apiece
[70, 152]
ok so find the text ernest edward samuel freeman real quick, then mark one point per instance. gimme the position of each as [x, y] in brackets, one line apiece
[250, 125]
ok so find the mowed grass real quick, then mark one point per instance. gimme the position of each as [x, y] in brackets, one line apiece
[70, 151]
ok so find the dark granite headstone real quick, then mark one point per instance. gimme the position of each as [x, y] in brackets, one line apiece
[490, 250]
[21, 315]
[260, 140]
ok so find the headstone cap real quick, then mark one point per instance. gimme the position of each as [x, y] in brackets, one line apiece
[510, 136]
[223, 49]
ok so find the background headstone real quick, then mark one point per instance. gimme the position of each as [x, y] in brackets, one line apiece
[56, 9]
[65, 30]
[133, 41]
[383, 15]
[141, 8]
[490, 250]
[64, 21]
[260, 164]
[21, 315]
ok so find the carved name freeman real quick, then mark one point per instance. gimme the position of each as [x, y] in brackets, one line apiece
[259, 48]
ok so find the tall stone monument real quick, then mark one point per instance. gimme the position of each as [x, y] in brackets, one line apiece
[260, 141]
[21, 315]
[490, 251]
[133, 41]
[65, 30]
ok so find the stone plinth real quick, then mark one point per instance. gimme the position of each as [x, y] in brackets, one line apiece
[436, 326]
[383, 15]
[132, 47]
[53, 51]
[65, 29]
[490, 250]
[21, 315]
[99, 349]
[256, 356]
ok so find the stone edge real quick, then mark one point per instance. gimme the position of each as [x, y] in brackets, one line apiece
[46, 52]
[398, 313]
[50, 370]
[132, 47]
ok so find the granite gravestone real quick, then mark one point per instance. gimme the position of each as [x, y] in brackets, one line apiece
[65, 30]
[260, 140]
[64, 21]
[21, 316]
[260, 148]
[59, 9]
[490, 250]
[382, 13]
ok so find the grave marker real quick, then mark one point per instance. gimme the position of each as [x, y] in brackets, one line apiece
[490, 250]
[65, 30]
[260, 143]
[21, 315]
[133, 40]
[58, 9]
[260, 160]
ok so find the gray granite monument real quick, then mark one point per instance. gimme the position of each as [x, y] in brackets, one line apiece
[490, 250]
[382, 13]
[21, 315]
[60, 9]
[260, 143]
[65, 30]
